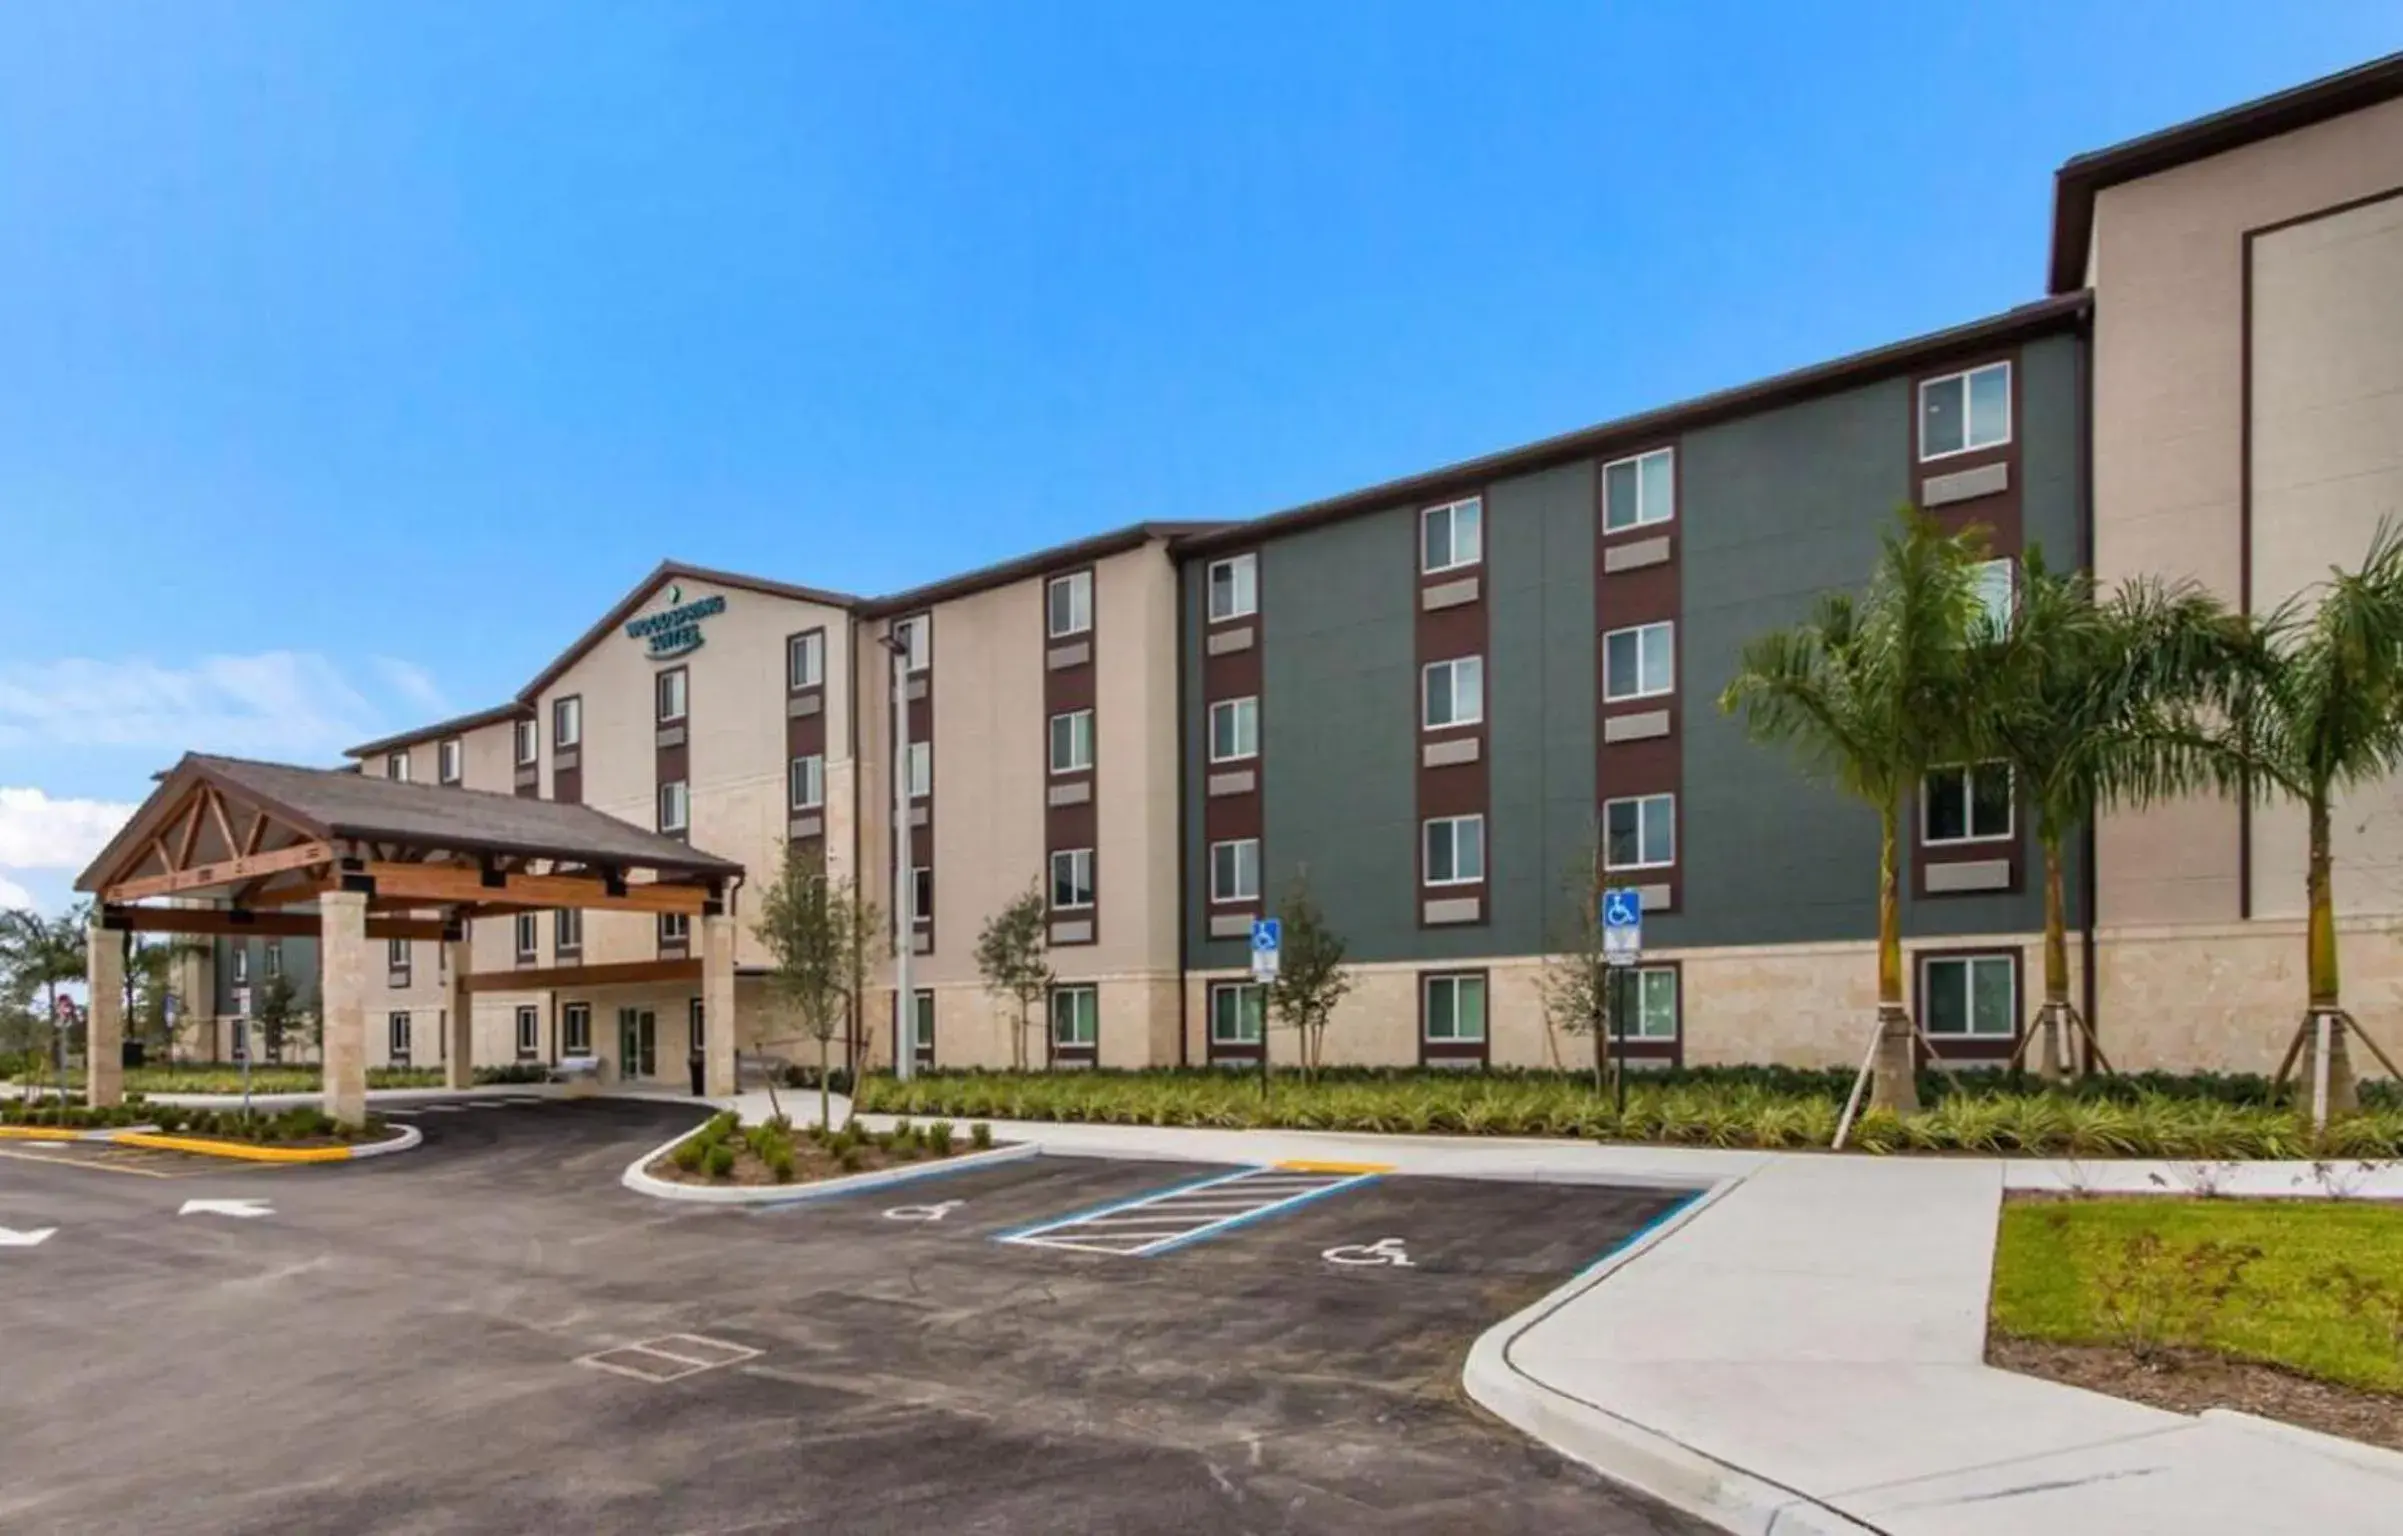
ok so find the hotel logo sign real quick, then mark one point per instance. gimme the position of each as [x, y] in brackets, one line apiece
[675, 630]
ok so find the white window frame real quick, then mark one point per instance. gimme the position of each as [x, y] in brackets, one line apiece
[1996, 626]
[275, 958]
[241, 963]
[1646, 515]
[917, 636]
[1078, 585]
[659, 696]
[525, 742]
[1451, 826]
[676, 806]
[1220, 896]
[1962, 377]
[1968, 772]
[397, 1044]
[1243, 586]
[1242, 710]
[567, 930]
[676, 928]
[1451, 512]
[1639, 802]
[1071, 859]
[805, 660]
[575, 1029]
[921, 875]
[1455, 980]
[529, 1032]
[1452, 668]
[1639, 999]
[528, 935]
[450, 760]
[1638, 632]
[396, 767]
[1080, 742]
[1091, 996]
[922, 1021]
[1970, 966]
[1239, 991]
[567, 722]
[399, 959]
[921, 769]
[805, 782]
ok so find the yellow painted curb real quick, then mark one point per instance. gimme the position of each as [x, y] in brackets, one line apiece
[1304, 1165]
[41, 1132]
[209, 1148]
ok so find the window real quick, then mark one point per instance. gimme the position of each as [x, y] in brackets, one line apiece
[1234, 730]
[1238, 1012]
[396, 767]
[696, 1026]
[805, 661]
[567, 930]
[275, 957]
[1075, 1018]
[1456, 850]
[1639, 490]
[1235, 870]
[917, 639]
[1071, 878]
[1451, 536]
[526, 739]
[1640, 832]
[1452, 693]
[668, 690]
[1969, 804]
[528, 936]
[1072, 741]
[1639, 662]
[924, 1021]
[805, 782]
[1651, 1005]
[396, 961]
[242, 963]
[1997, 596]
[1068, 604]
[567, 722]
[921, 769]
[1234, 588]
[447, 759]
[575, 1030]
[675, 929]
[396, 1038]
[529, 1032]
[1964, 411]
[1455, 1008]
[1970, 996]
[921, 898]
[675, 806]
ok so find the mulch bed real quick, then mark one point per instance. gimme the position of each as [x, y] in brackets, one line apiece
[811, 1163]
[2194, 1380]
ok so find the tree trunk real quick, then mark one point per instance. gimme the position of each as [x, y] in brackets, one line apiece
[2326, 989]
[825, 1085]
[1601, 1049]
[2050, 1063]
[1897, 1071]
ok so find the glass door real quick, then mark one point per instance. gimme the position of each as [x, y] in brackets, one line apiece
[637, 1043]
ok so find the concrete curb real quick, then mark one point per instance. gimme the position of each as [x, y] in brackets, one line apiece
[1619, 1448]
[641, 1181]
[408, 1138]
[2369, 1458]
[68, 1133]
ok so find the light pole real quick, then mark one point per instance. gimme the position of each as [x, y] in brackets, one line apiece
[905, 894]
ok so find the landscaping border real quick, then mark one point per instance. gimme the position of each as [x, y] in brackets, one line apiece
[405, 1138]
[642, 1181]
[68, 1133]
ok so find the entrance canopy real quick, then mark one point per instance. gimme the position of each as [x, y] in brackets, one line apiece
[240, 847]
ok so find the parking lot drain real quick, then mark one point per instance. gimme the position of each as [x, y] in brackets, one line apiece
[1169, 1219]
[670, 1357]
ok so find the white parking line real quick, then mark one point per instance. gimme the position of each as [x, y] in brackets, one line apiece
[1168, 1219]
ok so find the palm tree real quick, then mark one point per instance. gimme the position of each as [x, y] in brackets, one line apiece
[2082, 698]
[1870, 695]
[2315, 708]
[45, 952]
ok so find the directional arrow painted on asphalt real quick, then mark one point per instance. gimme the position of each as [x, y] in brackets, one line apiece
[12, 1238]
[243, 1208]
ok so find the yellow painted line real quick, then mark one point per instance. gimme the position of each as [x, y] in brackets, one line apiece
[86, 1162]
[40, 1132]
[208, 1148]
[1305, 1165]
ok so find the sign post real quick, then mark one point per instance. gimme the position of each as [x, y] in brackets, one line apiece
[1622, 947]
[1268, 942]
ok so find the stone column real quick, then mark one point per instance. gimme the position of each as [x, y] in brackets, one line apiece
[104, 1024]
[342, 998]
[717, 1004]
[460, 1020]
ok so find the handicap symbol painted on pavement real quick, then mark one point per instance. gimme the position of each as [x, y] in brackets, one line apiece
[1385, 1250]
[923, 1212]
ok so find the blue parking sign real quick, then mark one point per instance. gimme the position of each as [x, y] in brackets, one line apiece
[1267, 933]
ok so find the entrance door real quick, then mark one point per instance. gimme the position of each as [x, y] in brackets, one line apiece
[637, 1042]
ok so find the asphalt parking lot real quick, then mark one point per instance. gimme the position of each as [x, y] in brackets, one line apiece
[489, 1335]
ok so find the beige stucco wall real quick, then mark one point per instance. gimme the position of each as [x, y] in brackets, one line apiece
[2169, 343]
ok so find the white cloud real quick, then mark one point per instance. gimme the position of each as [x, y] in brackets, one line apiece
[291, 704]
[14, 895]
[37, 832]
[414, 683]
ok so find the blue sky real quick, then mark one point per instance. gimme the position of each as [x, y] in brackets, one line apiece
[354, 357]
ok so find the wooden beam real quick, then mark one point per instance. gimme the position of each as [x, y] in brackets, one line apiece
[548, 978]
[183, 849]
[267, 925]
[230, 872]
[158, 846]
[460, 883]
[255, 895]
[257, 832]
[225, 828]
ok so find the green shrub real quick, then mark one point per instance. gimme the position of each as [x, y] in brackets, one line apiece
[980, 1136]
[515, 1072]
[689, 1154]
[780, 1162]
[937, 1137]
[720, 1160]
[850, 1158]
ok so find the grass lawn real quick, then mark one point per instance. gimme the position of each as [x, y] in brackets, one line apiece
[220, 1078]
[2053, 1254]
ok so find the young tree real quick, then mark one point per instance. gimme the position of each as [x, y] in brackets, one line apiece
[1870, 695]
[277, 1009]
[1310, 977]
[43, 954]
[1012, 954]
[2083, 698]
[1575, 981]
[808, 922]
